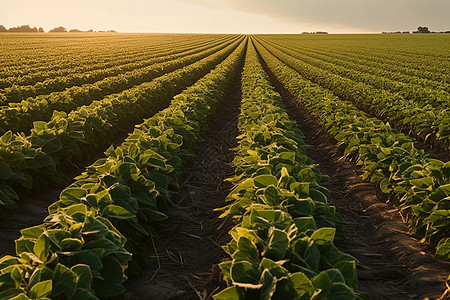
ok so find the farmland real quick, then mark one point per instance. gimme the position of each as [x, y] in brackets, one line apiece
[200, 166]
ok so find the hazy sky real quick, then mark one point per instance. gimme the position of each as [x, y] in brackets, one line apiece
[221, 16]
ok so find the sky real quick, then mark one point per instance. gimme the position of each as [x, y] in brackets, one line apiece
[229, 16]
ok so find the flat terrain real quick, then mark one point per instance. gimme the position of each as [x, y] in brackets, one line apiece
[141, 133]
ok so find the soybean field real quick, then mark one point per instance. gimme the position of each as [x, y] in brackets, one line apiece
[224, 166]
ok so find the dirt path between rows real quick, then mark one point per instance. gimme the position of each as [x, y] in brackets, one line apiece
[391, 263]
[189, 246]
[432, 145]
[31, 210]
[32, 207]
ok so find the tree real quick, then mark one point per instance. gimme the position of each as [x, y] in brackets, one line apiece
[3, 28]
[41, 29]
[75, 30]
[23, 28]
[424, 29]
[58, 29]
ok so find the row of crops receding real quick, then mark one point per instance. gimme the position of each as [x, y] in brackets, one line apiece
[146, 101]
[413, 180]
[28, 161]
[282, 245]
[84, 246]
[423, 110]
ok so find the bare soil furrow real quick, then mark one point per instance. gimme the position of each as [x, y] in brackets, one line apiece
[32, 207]
[391, 263]
[189, 248]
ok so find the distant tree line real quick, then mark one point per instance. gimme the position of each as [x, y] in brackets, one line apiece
[23, 28]
[28, 28]
[315, 32]
[420, 29]
[391, 32]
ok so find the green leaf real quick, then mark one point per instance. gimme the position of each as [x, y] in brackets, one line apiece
[244, 274]
[271, 196]
[12, 294]
[274, 268]
[117, 212]
[5, 171]
[71, 243]
[384, 185]
[305, 223]
[35, 278]
[84, 276]
[83, 294]
[246, 251]
[42, 247]
[312, 255]
[76, 209]
[277, 245]
[317, 195]
[70, 195]
[340, 291]
[441, 192]
[422, 182]
[17, 275]
[301, 207]
[33, 232]
[20, 297]
[300, 188]
[89, 258]
[64, 281]
[348, 270]
[41, 289]
[230, 293]
[225, 267]
[113, 276]
[24, 245]
[261, 181]
[324, 235]
[269, 284]
[326, 279]
[52, 146]
[443, 250]
[302, 284]
[39, 126]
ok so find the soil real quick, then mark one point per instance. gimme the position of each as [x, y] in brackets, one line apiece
[185, 265]
[432, 145]
[390, 263]
[31, 210]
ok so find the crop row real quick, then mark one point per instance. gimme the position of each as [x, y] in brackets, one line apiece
[413, 180]
[53, 64]
[282, 245]
[33, 161]
[424, 120]
[51, 83]
[80, 251]
[70, 53]
[20, 116]
[416, 88]
[382, 65]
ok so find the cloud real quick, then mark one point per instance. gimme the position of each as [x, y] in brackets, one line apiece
[370, 15]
